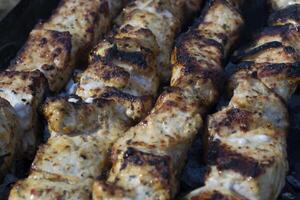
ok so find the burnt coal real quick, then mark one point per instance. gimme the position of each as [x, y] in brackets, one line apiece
[294, 182]
[195, 170]
[287, 196]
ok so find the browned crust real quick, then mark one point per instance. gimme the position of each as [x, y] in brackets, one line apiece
[160, 164]
[240, 55]
[216, 195]
[36, 79]
[137, 59]
[225, 158]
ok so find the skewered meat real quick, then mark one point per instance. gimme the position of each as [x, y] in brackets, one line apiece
[24, 91]
[9, 136]
[71, 188]
[147, 161]
[114, 91]
[49, 52]
[79, 21]
[281, 4]
[50, 55]
[247, 139]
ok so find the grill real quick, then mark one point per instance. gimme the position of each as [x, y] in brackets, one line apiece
[14, 29]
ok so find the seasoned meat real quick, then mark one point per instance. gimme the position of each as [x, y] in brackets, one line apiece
[50, 186]
[147, 161]
[280, 4]
[163, 23]
[247, 138]
[24, 91]
[116, 90]
[52, 51]
[81, 134]
[49, 52]
[56, 46]
[9, 136]
[126, 65]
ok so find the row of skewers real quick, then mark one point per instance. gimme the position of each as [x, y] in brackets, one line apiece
[107, 138]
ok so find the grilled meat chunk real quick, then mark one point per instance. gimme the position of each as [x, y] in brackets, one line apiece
[56, 46]
[25, 92]
[9, 136]
[247, 139]
[72, 116]
[161, 18]
[280, 4]
[49, 52]
[123, 70]
[83, 132]
[147, 161]
[50, 186]
[125, 66]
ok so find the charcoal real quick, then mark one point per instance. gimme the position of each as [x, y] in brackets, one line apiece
[287, 196]
[294, 182]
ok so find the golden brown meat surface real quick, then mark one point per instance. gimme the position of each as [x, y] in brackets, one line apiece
[53, 50]
[247, 139]
[56, 46]
[126, 65]
[50, 55]
[280, 4]
[49, 52]
[24, 91]
[147, 161]
[81, 134]
[49, 186]
[9, 136]
[114, 91]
